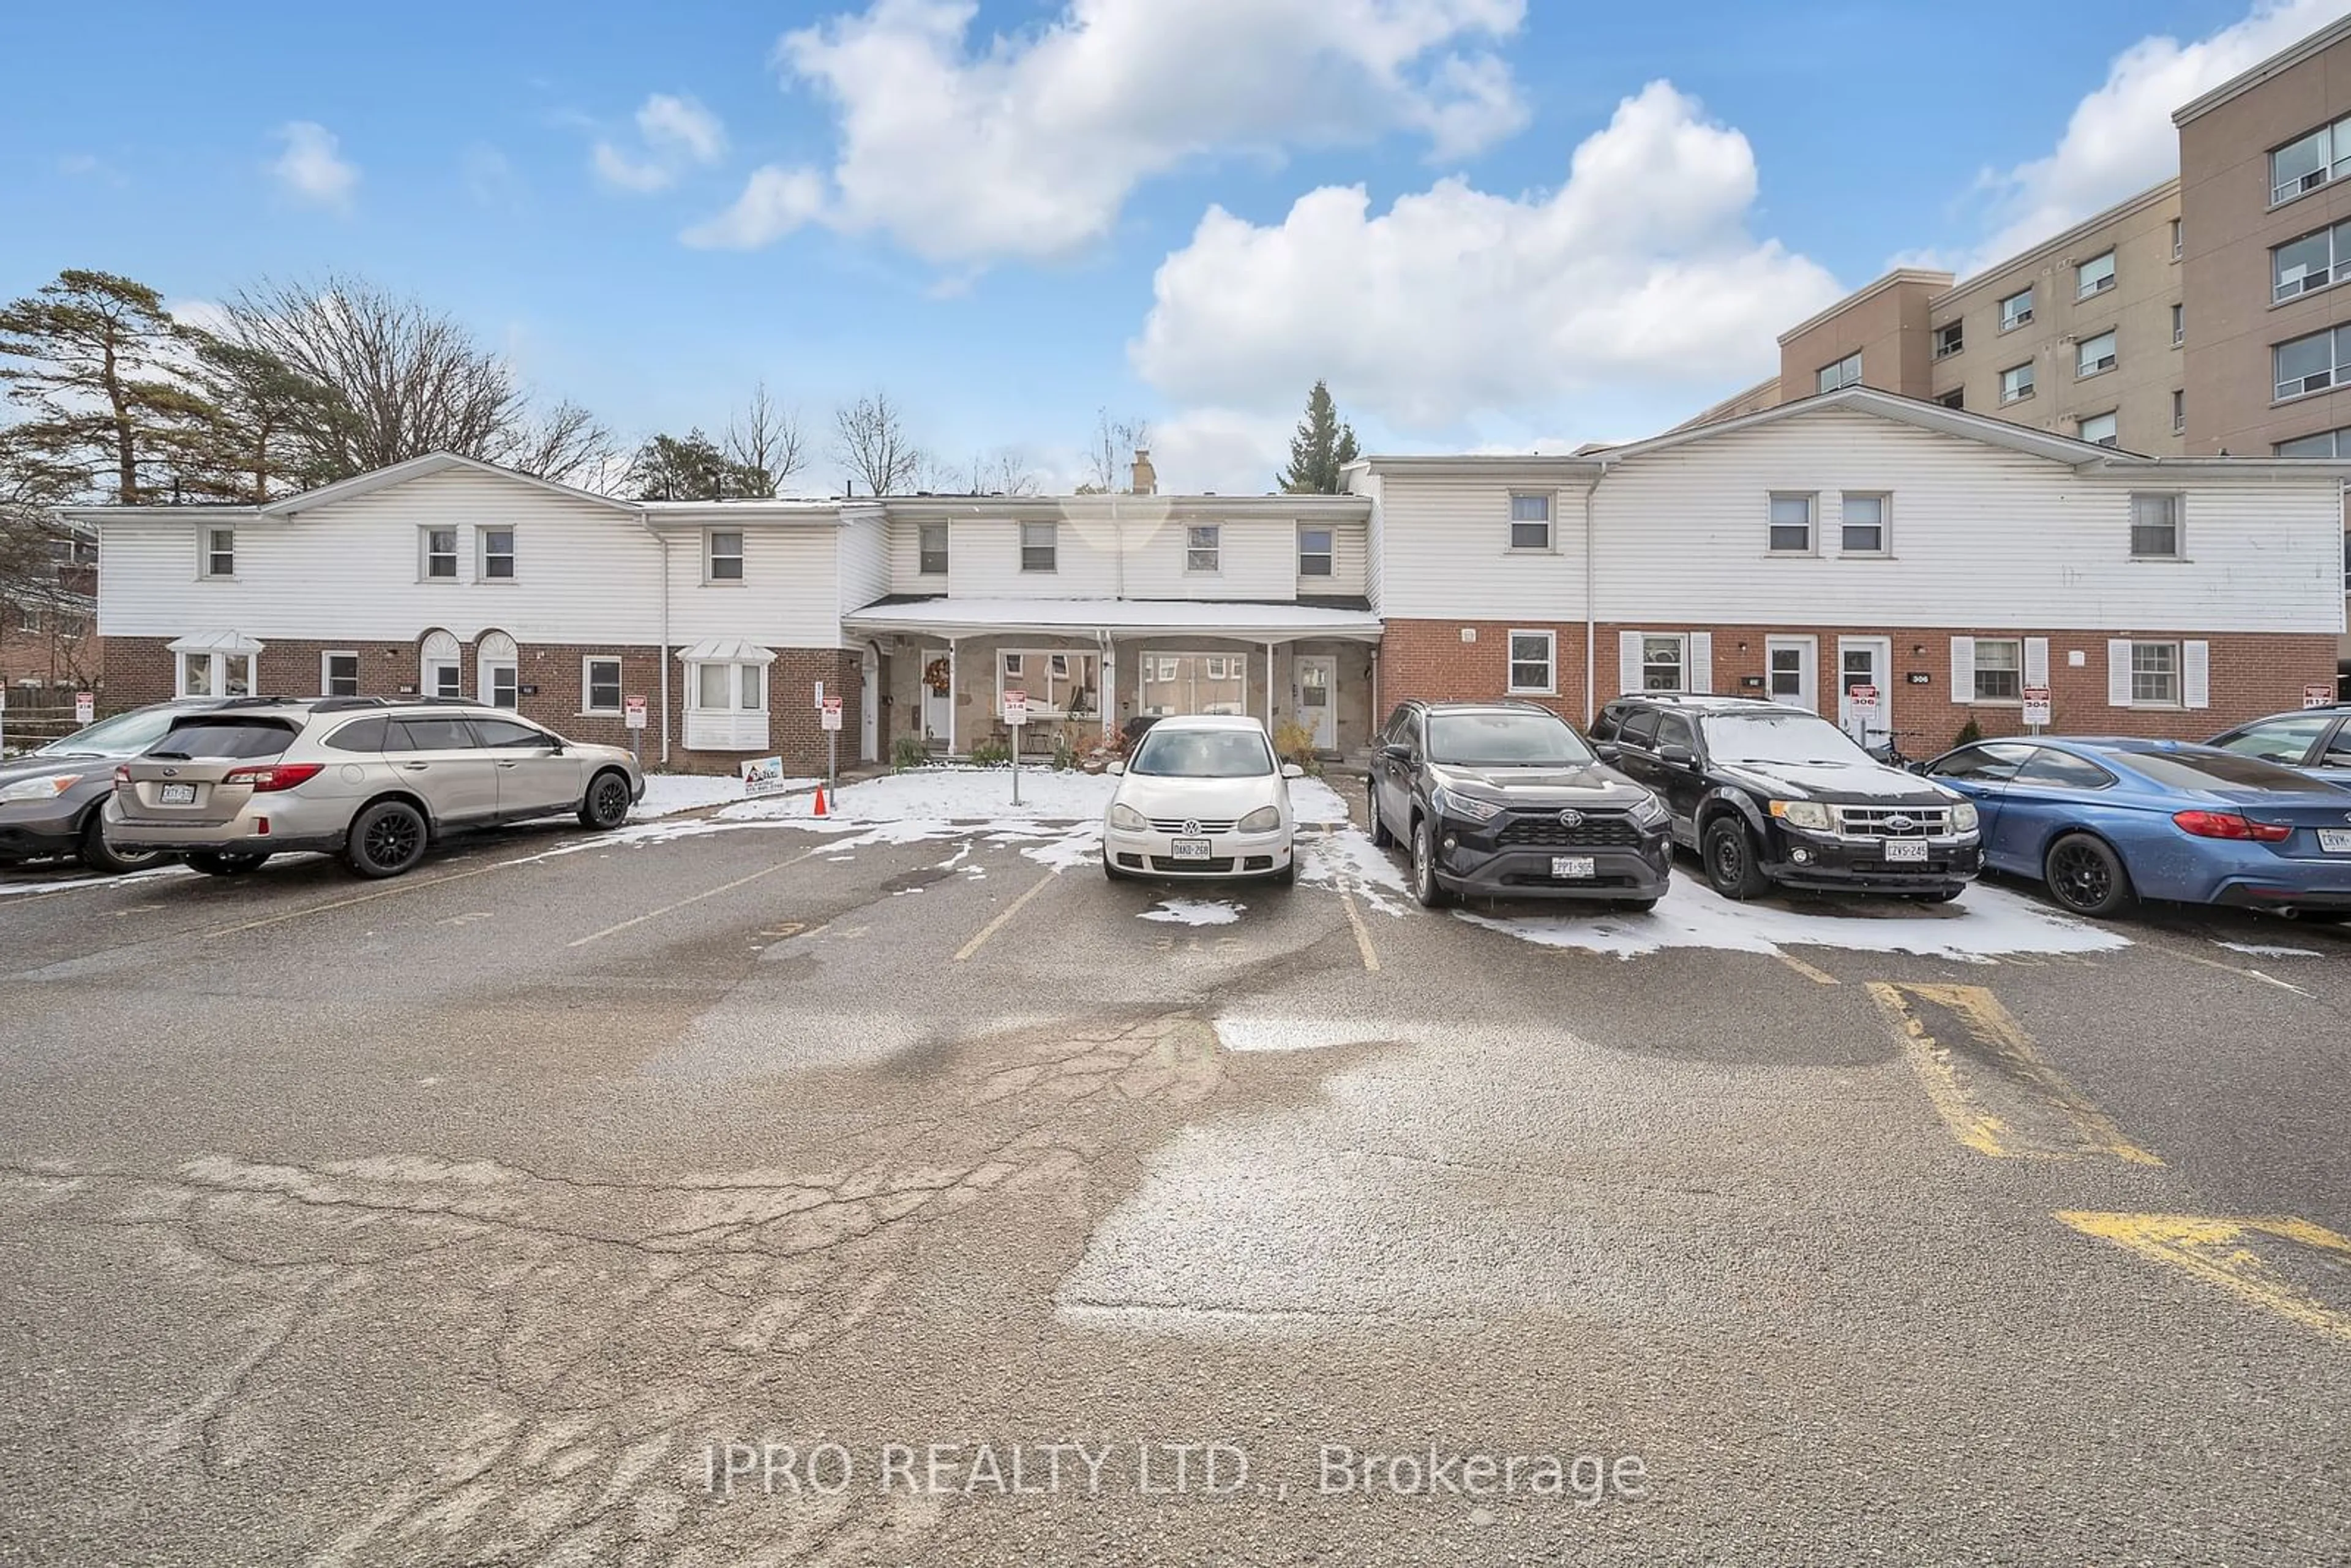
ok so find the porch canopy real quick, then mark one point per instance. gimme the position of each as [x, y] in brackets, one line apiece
[235, 644]
[952, 619]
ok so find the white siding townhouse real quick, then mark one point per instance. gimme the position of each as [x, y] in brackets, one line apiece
[1947, 560]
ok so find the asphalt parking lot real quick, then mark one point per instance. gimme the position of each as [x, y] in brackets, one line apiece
[732, 1191]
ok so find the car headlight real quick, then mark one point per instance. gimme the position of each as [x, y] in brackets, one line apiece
[1963, 817]
[1649, 811]
[1808, 814]
[1449, 804]
[48, 787]
[1264, 820]
[1127, 818]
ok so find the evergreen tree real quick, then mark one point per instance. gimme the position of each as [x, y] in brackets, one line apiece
[267, 430]
[1323, 446]
[691, 468]
[98, 365]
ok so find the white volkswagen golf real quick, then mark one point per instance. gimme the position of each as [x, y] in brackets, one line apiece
[1203, 796]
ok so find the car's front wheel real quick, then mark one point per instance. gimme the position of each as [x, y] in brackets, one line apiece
[1733, 867]
[1112, 872]
[2085, 874]
[1427, 891]
[386, 839]
[225, 862]
[1381, 837]
[105, 859]
[607, 804]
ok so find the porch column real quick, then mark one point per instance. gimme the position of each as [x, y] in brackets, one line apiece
[1109, 689]
[1269, 686]
[955, 696]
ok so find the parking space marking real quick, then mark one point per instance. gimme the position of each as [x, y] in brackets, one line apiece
[1363, 933]
[697, 898]
[1990, 1025]
[993, 927]
[1818, 977]
[2237, 969]
[394, 891]
[2220, 1251]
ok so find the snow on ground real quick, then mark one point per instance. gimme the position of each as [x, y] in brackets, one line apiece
[1984, 921]
[1195, 912]
[1345, 857]
[2263, 950]
[669, 792]
[1316, 804]
[965, 794]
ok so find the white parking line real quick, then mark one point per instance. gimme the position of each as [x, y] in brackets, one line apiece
[697, 898]
[995, 925]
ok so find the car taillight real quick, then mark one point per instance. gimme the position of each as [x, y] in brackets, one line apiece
[2231, 825]
[277, 775]
[122, 776]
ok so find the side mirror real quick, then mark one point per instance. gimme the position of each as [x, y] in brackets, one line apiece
[1396, 751]
[1291, 771]
[1118, 765]
[1675, 755]
[1606, 750]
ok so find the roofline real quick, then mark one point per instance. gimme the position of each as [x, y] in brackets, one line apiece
[1106, 507]
[100, 514]
[420, 468]
[1894, 279]
[1485, 464]
[2246, 80]
[2114, 214]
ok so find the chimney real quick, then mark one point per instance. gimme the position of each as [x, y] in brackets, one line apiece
[1146, 477]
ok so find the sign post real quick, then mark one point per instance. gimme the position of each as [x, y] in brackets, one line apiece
[84, 707]
[632, 714]
[830, 714]
[1016, 713]
[1864, 700]
[2317, 695]
[2036, 708]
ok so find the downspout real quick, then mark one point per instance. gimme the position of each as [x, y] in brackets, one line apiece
[1591, 630]
[664, 646]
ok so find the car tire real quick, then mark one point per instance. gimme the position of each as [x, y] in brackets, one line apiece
[2086, 877]
[1381, 837]
[1112, 872]
[1288, 875]
[1636, 906]
[103, 858]
[1427, 891]
[606, 804]
[1733, 863]
[225, 862]
[386, 839]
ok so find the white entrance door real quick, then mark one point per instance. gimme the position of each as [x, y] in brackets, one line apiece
[938, 708]
[869, 708]
[1787, 670]
[1866, 661]
[1318, 678]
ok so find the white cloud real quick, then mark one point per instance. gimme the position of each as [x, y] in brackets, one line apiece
[2120, 138]
[677, 133]
[1224, 450]
[1638, 275]
[775, 202]
[312, 169]
[1028, 145]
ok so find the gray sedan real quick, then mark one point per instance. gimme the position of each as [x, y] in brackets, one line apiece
[50, 798]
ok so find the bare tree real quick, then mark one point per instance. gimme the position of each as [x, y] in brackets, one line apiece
[767, 438]
[567, 443]
[870, 436]
[1002, 472]
[1114, 443]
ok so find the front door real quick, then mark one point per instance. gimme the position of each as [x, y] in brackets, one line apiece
[1866, 661]
[869, 707]
[938, 706]
[1787, 670]
[1318, 677]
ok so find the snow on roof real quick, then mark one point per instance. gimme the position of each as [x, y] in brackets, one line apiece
[1212, 617]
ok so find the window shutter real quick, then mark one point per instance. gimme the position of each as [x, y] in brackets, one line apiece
[1628, 661]
[1701, 660]
[1963, 669]
[2196, 675]
[2036, 661]
[2118, 682]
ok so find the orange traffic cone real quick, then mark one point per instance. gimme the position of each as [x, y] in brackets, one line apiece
[820, 802]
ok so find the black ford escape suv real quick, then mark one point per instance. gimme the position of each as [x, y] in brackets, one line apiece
[1505, 800]
[1766, 793]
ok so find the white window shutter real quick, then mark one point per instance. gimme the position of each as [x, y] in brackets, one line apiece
[1628, 661]
[2036, 661]
[1701, 660]
[1963, 669]
[2196, 675]
[2118, 681]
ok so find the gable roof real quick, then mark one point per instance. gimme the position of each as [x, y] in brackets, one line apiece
[420, 468]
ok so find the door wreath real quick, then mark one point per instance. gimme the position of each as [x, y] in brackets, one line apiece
[935, 675]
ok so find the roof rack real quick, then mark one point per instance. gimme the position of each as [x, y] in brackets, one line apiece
[346, 705]
[259, 701]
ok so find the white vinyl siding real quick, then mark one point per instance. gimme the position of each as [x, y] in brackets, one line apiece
[2158, 673]
[1534, 663]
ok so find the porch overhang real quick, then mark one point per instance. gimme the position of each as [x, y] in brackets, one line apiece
[236, 644]
[952, 620]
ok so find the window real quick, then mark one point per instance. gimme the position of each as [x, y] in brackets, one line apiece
[215, 675]
[1314, 552]
[2285, 740]
[2309, 161]
[599, 685]
[2155, 674]
[2179, 411]
[497, 555]
[2016, 382]
[2016, 310]
[1057, 665]
[504, 684]
[1990, 762]
[931, 549]
[1531, 662]
[2179, 325]
[2313, 363]
[361, 735]
[2175, 239]
[2057, 770]
[2094, 276]
[1203, 546]
[1846, 373]
[1040, 546]
[1955, 398]
[226, 737]
[2098, 429]
[443, 678]
[1016, 664]
[2326, 443]
[723, 556]
[723, 688]
[2000, 670]
[429, 735]
[2313, 261]
[220, 553]
[338, 675]
[2094, 354]
[1792, 525]
[1663, 660]
[1864, 530]
[441, 555]
[2155, 526]
[1216, 668]
[1531, 522]
[1948, 339]
[510, 735]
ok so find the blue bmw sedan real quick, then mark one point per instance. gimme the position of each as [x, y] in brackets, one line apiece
[2105, 822]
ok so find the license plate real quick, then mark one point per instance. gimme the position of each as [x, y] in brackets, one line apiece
[1188, 849]
[1573, 868]
[2334, 841]
[177, 795]
[1904, 850]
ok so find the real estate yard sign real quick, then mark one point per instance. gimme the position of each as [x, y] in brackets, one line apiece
[763, 775]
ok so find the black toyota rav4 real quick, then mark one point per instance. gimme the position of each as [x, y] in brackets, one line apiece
[1766, 793]
[1504, 801]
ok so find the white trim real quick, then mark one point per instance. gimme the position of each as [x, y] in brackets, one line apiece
[1807, 646]
[418, 468]
[205, 552]
[425, 553]
[711, 557]
[1513, 522]
[587, 684]
[482, 553]
[326, 672]
[1510, 661]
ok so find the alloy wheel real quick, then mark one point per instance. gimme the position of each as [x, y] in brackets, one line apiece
[394, 839]
[611, 800]
[2078, 876]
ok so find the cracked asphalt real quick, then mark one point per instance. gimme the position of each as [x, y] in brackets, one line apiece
[541, 1206]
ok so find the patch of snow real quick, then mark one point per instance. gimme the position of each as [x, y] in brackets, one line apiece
[667, 793]
[1297, 1034]
[1195, 912]
[964, 794]
[1081, 845]
[2263, 950]
[36, 884]
[1316, 804]
[1981, 923]
[1346, 858]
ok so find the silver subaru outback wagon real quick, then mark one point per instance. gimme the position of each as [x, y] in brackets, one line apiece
[375, 780]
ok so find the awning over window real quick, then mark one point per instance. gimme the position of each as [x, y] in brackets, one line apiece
[232, 643]
[725, 650]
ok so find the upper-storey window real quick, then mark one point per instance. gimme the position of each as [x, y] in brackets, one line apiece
[1314, 552]
[2313, 261]
[931, 549]
[2016, 310]
[220, 553]
[2094, 276]
[1040, 546]
[2095, 354]
[2309, 161]
[1846, 373]
[440, 554]
[1531, 522]
[2098, 429]
[1948, 339]
[2016, 382]
[497, 555]
[723, 556]
[2326, 443]
[2313, 363]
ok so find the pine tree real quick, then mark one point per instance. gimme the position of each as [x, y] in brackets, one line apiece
[99, 368]
[1323, 446]
[691, 468]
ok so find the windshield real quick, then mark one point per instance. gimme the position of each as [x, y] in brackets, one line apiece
[2216, 770]
[124, 735]
[1799, 737]
[229, 738]
[1202, 754]
[1504, 740]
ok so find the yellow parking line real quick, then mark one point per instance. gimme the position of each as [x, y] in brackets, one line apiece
[1363, 933]
[2215, 1250]
[2235, 969]
[393, 892]
[1818, 977]
[697, 898]
[997, 925]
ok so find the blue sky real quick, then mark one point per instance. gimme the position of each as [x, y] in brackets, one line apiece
[1012, 212]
